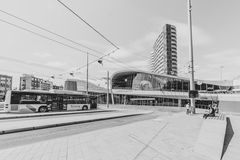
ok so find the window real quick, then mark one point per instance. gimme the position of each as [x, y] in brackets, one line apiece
[15, 98]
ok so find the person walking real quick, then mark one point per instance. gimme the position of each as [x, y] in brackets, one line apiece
[187, 108]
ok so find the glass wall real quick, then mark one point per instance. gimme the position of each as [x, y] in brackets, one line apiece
[143, 81]
[150, 82]
[144, 100]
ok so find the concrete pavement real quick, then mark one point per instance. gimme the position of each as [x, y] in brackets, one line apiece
[171, 136]
[4, 115]
[24, 124]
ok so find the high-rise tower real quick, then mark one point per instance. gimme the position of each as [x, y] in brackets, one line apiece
[164, 55]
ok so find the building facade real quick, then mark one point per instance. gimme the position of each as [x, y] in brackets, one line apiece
[144, 88]
[164, 55]
[56, 87]
[5, 84]
[93, 89]
[29, 82]
[81, 85]
[70, 85]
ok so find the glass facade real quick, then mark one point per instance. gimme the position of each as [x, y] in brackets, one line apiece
[153, 82]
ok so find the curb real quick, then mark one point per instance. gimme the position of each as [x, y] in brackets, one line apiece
[57, 114]
[65, 124]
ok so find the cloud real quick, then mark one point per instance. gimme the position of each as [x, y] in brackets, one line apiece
[228, 57]
[42, 54]
[142, 47]
[210, 65]
[56, 64]
[122, 53]
[200, 36]
[29, 63]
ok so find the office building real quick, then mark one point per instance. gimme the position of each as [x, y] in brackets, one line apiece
[164, 55]
[56, 87]
[5, 84]
[70, 85]
[81, 85]
[29, 82]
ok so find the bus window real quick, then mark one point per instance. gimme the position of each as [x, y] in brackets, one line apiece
[42, 99]
[82, 101]
[15, 98]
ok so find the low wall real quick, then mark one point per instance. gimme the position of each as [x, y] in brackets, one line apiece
[229, 106]
[152, 108]
[211, 139]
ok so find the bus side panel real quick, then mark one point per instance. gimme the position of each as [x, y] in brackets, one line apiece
[28, 108]
[72, 107]
[7, 104]
[24, 108]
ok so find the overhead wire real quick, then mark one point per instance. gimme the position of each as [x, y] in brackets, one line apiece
[56, 34]
[49, 31]
[29, 63]
[45, 37]
[88, 24]
[66, 45]
[123, 64]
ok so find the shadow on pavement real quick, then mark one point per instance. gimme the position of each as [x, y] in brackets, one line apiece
[228, 135]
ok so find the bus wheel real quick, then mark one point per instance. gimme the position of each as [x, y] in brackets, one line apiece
[85, 107]
[42, 109]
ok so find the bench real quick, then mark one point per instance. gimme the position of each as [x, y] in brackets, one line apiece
[219, 116]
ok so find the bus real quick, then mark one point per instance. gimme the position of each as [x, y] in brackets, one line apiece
[44, 101]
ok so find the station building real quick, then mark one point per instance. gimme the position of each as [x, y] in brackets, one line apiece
[145, 88]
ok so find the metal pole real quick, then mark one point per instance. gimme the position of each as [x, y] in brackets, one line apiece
[221, 67]
[111, 91]
[87, 75]
[192, 85]
[107, 89]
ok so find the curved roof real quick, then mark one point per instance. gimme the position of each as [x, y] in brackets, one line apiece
[126, 72]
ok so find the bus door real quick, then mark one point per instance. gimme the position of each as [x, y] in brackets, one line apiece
[93, 102]
[57, 103]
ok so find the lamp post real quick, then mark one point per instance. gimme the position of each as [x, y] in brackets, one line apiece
[192, 85]
[107, 89]
[221, 68]
[87, 75]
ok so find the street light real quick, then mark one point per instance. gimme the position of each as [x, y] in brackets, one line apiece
[100, 61]
[192, 85]
[87, 75]
[221, 68]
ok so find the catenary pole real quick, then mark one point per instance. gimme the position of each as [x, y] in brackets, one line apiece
[192, 85]
[107, 89]
[87, 75]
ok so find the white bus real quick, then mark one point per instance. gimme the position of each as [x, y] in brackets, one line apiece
[43, 101]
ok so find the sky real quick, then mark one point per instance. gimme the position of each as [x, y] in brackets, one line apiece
[131, 25]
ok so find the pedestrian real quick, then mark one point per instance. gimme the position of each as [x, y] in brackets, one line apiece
[187, 108]
[211, 112]
[215, 107]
